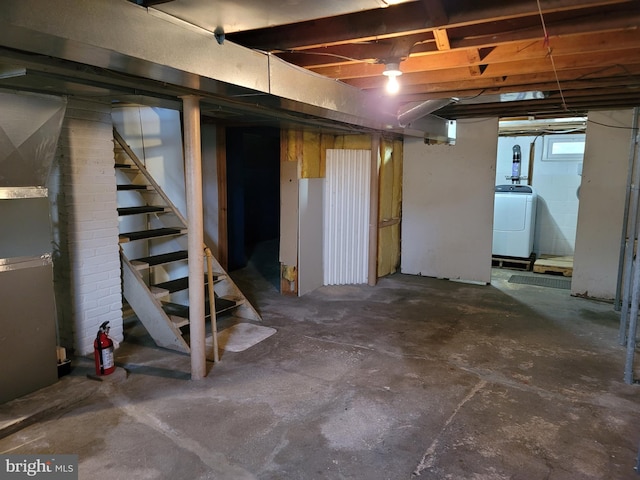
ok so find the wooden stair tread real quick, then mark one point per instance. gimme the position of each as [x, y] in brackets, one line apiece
[178, 284]
[158, 292]
[179, 321]
[125, 166]
[175, 285]
[171, 328]
[153, 233]
[164, 258]
[141, 210]
[130, 186]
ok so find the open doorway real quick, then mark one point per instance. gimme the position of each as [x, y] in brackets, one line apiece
[253, 199]
[538, 177]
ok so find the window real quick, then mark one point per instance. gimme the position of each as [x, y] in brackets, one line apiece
[563, 148]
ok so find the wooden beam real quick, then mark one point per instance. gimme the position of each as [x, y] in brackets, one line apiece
[550, 106]
[369, 25]
[587, 78]
[443, 61]
[403, 19]
[499, 71]
[627, 41]
[333, 55]
[442, 39]
[590, 22]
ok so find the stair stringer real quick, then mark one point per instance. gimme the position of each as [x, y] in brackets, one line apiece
[145, 304]
[227, 288]
[149, 310]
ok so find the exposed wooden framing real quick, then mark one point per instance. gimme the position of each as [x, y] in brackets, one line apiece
[442, 39]
[437, 62]
[578, 78]
[221, 165]
[374, 199]
[311, 157]
[570, 52]
[290, 158]
[529, 49]
[407, 18]
[584, 22]
[328, 56]
[463, 50]
[504, 71]
[390, 200]
[389, 222]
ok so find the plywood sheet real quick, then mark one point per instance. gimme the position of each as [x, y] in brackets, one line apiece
[310, 265]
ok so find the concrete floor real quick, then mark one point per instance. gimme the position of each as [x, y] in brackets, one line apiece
[414, 378]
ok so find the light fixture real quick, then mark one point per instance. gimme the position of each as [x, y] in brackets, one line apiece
[392, 70]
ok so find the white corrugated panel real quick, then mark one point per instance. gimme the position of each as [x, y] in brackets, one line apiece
[346, 216]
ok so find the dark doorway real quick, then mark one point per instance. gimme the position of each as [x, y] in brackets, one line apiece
[253, 202]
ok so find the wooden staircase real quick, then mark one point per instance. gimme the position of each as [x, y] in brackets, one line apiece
[154, 257]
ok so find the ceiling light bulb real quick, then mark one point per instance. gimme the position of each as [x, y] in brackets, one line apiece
[392, 70]
[392, 84]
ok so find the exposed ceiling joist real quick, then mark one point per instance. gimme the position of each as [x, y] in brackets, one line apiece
[454, 48]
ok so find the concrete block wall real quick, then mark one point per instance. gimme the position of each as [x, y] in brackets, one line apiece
[83, 196]
[555, 182]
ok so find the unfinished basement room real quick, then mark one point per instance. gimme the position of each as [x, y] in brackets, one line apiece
[364, 239]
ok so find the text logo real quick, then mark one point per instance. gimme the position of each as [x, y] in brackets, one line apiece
[50, 467]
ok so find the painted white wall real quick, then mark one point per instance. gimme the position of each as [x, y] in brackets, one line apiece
[447, 204]
[155, 136]
[556, 184]
[83, 201]
[289, 225]
[602, 197]
[310, 236]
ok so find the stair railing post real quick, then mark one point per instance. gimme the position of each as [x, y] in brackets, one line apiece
[193, 180]
[212, 304]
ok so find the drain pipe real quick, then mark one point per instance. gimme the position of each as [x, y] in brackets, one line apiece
[193, 181]
[629, 229]
[635, 293]
[423, 109]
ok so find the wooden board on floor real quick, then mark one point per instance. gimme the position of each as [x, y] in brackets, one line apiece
[554, 265]
[513, 263]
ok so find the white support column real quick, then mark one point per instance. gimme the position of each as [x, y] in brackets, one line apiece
[193, 181]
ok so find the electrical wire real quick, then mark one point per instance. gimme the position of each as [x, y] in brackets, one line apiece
[611, 126]
[553, 63]
[334, 55]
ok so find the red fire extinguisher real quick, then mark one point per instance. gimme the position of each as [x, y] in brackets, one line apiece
[103, 351]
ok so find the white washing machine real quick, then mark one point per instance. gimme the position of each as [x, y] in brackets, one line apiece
[514, 220]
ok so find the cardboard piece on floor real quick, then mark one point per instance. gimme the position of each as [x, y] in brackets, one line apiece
[241, 336]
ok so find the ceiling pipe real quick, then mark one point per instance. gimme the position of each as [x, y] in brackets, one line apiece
[423, 109]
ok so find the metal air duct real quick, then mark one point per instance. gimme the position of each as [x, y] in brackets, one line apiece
[423, 109]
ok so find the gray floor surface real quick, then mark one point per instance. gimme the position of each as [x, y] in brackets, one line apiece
[415, 378]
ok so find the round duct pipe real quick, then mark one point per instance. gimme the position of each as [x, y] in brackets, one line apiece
[422, 109]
